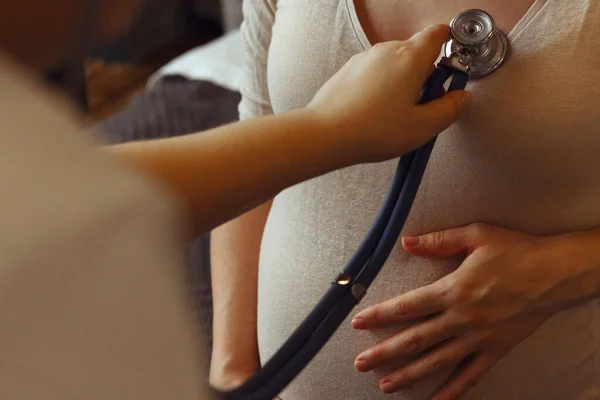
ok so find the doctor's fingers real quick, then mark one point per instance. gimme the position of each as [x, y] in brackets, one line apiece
[434, 117]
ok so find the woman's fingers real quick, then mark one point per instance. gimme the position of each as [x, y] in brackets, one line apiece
[418, 303]
[412, 341]
[446, 243]
[445, 356]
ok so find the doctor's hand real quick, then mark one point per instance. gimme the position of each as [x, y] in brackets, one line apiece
[509, 284]
[372, 102]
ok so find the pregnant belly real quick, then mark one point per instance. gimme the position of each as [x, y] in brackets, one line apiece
[312, 231]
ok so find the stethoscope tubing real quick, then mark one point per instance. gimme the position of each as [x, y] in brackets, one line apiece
[339, 300]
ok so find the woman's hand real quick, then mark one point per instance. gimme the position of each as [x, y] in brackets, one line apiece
[509, 284]
[372, 102]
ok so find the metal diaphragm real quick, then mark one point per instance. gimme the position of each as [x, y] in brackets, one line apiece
[474, 33]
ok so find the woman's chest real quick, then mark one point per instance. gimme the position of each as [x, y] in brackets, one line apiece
[536, 116]
[400, 19]
[312, 40]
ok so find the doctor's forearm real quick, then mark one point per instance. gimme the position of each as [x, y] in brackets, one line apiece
[223, 173]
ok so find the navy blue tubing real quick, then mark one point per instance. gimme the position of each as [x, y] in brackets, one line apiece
[409, 189]
[337, 303]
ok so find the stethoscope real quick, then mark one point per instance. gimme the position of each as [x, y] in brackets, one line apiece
[476, 49]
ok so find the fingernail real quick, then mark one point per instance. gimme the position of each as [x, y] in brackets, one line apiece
[465, 98]
[358, 323]
[362, 366]
[386, 385]
[411, 241]
[364, 356]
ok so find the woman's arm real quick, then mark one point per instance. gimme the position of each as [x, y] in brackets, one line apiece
[235, 250]
[235, 246]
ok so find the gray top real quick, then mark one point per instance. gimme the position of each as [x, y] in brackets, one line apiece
[525, 156]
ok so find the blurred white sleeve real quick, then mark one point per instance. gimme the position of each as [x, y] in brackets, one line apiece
[256, 31]
[93, 302]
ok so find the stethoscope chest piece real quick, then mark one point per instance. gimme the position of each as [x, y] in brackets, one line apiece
[477, 43]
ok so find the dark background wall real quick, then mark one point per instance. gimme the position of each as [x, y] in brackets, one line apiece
[161, 30]
[161, 23]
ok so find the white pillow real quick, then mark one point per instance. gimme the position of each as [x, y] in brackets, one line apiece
[220, 62]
